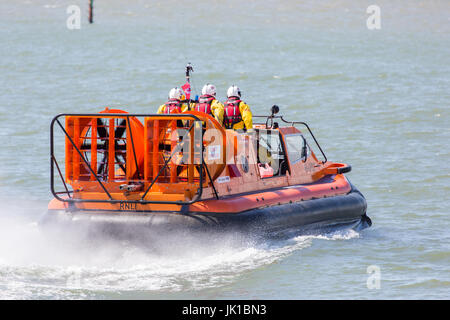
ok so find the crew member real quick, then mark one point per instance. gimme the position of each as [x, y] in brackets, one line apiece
[207, 103]
[174, 104]
[237, 113]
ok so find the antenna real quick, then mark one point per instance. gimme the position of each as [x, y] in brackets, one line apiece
[189, 69]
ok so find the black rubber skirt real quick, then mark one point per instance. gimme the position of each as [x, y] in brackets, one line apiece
[347, 210]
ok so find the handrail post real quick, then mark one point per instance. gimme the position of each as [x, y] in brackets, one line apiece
[81, 156]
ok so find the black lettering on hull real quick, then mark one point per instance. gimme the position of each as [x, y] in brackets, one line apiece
[127, 206]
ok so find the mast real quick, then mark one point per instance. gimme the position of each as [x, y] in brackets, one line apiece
[187, 86]
[189, 69]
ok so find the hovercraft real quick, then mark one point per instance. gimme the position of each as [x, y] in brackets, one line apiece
[186, 172]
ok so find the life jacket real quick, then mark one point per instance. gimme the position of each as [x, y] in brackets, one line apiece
[172, 106]
[232, 112]
[204, 103]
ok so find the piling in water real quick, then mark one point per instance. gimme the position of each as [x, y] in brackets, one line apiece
[91, 11]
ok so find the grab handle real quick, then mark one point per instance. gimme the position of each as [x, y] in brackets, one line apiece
[338, 168]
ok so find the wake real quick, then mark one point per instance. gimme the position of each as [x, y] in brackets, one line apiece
[35, 264]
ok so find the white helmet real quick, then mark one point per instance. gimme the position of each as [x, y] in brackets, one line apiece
[234, 91]
[175, 93]
[209, 89]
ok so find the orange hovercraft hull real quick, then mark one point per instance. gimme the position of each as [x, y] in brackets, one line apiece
[303, 208]
[304, 194]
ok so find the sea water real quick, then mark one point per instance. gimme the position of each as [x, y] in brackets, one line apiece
[376, 96]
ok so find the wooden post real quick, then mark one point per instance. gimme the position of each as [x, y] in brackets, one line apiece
[91, 11]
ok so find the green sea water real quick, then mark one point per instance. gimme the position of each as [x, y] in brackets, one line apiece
[376, 99]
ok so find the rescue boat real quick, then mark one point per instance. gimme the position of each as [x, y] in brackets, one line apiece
[185, 171]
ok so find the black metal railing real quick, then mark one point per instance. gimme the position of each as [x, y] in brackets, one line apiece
[293, 123]
[71, 199]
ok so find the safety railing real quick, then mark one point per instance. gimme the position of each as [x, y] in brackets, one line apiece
[80, 154]
[293, 123]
